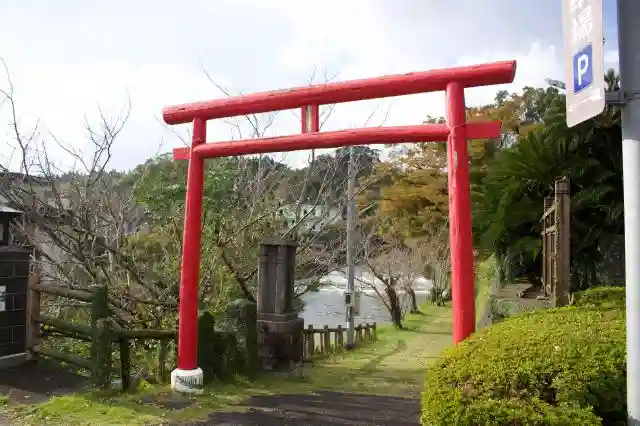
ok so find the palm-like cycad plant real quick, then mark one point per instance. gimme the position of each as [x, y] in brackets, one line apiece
[508, 200]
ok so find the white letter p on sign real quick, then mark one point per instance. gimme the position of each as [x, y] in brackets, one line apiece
[583, 66]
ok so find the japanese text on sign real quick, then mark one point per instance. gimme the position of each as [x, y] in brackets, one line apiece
[581, 21]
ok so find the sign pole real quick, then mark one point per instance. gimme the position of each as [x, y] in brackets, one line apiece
[629, 46]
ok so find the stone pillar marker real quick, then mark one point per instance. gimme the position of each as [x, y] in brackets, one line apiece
[279, 328]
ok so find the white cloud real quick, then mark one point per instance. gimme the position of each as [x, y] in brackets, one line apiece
[69, 58]
[611, 58]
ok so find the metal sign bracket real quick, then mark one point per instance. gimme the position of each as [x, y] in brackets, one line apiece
[621, 97]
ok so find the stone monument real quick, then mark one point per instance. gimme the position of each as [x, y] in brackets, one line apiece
[279, 328]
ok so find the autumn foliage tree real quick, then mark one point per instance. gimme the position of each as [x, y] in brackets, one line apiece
[413, 200]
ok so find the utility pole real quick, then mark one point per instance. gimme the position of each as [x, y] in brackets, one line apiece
[629, 96]
[351, 215]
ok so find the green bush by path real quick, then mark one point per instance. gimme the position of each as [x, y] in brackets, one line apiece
[551, 367]
[598, 296]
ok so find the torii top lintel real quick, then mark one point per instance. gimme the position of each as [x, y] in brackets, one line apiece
[347, 91]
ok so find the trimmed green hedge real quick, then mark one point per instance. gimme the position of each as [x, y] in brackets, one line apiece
[598, 296]
[550, 367]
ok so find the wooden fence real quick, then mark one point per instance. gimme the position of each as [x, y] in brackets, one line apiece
[332, 340]
[556, 250]
[106, 328]
[103, 332]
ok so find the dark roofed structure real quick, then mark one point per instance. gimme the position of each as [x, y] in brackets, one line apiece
[7, 215]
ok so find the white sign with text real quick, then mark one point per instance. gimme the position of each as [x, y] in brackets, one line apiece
[584, 59]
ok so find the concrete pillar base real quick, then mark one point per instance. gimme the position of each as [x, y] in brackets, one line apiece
[187, 381]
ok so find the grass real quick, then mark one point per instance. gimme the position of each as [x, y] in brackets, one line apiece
[394, 365]
[486, 273]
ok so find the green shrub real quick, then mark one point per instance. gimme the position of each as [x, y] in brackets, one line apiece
[598, 296]
[551, 367]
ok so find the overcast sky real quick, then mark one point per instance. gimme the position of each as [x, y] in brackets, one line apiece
[67, 58]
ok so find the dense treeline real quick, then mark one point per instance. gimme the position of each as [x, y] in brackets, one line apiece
[511, 177]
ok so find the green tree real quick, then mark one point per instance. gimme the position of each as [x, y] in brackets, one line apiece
[508, 199]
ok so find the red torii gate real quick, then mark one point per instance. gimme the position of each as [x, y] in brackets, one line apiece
[188, 377]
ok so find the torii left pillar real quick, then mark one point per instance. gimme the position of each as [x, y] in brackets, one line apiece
[189, 378]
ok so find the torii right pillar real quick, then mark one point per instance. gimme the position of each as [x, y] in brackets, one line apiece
[460, 237]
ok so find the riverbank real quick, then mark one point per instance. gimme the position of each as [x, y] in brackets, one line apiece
[326, 307]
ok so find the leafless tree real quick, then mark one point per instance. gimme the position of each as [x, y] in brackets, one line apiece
[87, 227]
[320, 237]
[78, 217]
[392, 265]
[434, 253]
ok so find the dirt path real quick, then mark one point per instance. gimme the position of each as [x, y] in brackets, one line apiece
[380, 385]
[35, 382]
[322, 409]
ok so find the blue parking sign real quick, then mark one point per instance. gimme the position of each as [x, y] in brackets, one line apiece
[583, 69]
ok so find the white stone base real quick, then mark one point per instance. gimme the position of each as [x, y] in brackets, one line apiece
[187, 381]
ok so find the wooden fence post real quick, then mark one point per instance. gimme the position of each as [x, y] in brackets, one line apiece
[326, 336]
[100, 338]
[359, 333]
[563, 243]
[33, 314]
[102, 347]
[310, 341]
[125, 363]
[250, 318]
[547, 242]
[374, 333]
[340, 337]
[163, 348]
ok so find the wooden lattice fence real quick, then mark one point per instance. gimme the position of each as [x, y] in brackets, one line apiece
[556, 249]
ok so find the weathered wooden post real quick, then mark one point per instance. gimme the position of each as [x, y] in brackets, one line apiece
[33, 313]
[311, 343]
[206, 348]
[101, 338]
[279, 328]
[561, 295]
[163, 349]
[125, 363]
[547, 249]
[326, 336]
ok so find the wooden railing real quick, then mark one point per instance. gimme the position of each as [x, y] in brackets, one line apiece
[103, 331]
[332, 340]
[105, 328]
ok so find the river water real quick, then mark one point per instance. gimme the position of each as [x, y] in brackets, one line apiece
[326, 307]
